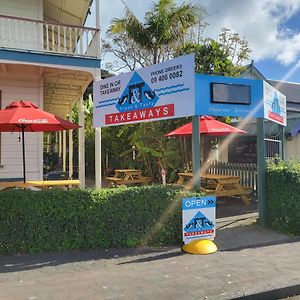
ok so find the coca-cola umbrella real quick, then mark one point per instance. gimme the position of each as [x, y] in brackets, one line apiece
[23, 116]
[208, 125]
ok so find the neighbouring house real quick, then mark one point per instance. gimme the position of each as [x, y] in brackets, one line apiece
[48, 57]
[243, 148]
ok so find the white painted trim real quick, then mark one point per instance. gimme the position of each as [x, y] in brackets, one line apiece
[64, 150]
[92, 71]
[70, 153]
[81, 144]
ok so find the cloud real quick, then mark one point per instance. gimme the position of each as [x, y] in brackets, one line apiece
[262, 23]
[114, 9]
[265, 24]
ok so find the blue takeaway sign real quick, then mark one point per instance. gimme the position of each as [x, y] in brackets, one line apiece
[198, 218]
[137, 95]
[228, 96]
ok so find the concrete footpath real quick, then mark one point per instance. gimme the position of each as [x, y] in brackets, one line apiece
[252, 263]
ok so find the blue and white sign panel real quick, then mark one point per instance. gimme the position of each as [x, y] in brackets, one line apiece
[198, 218]
[228, 96]
[158, 92]
[274, 105]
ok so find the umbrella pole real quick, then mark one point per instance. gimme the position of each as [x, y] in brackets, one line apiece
[23, 147]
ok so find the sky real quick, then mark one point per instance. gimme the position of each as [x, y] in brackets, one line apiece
[272, 28]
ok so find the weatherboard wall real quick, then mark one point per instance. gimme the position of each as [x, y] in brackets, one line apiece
[21, 83]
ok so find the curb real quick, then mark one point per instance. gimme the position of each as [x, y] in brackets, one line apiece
[276, 293]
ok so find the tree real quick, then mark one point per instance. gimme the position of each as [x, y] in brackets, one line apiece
[138, 44]
[223, 57]
[166, 27]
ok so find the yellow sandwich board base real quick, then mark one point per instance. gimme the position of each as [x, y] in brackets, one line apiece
[200, 247]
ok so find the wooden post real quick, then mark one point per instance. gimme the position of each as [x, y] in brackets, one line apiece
[64, 152]
[59, 148]
[70, 149]
[70, 153]
[98, 160]
[48, 142]
[81, 144]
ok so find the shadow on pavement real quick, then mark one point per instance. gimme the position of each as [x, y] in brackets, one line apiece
[156, 257]
[24, 262]
[244, 235]
[234, 206]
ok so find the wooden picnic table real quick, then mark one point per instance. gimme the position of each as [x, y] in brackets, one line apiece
[225, 185]
[219, 185]
[128, 177]
[184, 178]
[39, 184]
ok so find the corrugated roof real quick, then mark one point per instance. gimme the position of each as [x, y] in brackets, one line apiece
[271, 128]
[292, 92]
[290, 89]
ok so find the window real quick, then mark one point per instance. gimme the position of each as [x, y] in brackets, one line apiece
[230, 93]
[243, 150]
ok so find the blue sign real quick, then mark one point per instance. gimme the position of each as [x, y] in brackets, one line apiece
[198, 222]
[137, 95]
[158, 92]
[198, 218]
[198, 202]
[247, 105]
[275, 105]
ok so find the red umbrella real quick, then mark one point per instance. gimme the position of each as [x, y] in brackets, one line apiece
[208, 125]
[21, 116]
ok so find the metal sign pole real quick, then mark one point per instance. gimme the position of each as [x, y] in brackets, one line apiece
[261, 162]
[282, 141]
[196, 152]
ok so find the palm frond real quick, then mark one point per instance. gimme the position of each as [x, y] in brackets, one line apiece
[131, 26]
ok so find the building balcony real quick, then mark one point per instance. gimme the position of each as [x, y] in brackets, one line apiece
[46, 37]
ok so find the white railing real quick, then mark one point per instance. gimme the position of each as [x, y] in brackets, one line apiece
[35, 35]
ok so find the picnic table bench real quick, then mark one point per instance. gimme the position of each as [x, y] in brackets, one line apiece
[128, 177]
[39, 184]
[219, 185]
[184, 178]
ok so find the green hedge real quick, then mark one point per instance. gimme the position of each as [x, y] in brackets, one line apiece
[54, 220]
[283, 196]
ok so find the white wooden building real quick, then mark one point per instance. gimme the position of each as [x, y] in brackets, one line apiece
[48, 57]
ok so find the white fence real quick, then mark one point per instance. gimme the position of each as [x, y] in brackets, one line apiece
[28, 34]
[246, 171]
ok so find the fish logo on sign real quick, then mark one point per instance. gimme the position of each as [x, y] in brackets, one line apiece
[137, 95]
[198, 225]
[275, 105]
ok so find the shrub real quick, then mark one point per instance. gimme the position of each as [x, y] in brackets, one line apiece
[53, 220]
[283, 196]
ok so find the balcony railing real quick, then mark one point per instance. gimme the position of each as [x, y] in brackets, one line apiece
[35, 35]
